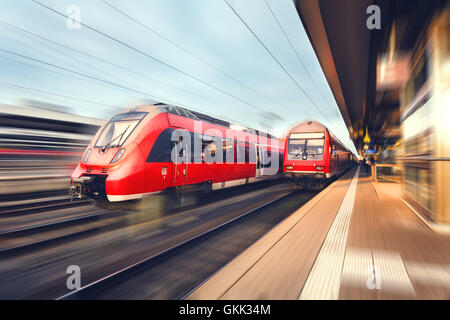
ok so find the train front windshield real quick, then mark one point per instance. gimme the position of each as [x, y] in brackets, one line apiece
[118, 129]
[306, 146]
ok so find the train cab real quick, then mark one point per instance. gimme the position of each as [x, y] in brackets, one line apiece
[313, 155]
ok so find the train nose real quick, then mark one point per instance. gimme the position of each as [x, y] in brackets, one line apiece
[102, 158]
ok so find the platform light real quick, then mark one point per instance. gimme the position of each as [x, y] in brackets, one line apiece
[367, 137]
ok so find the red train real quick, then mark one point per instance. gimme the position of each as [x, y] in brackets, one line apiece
[164, 149]
[314, 155]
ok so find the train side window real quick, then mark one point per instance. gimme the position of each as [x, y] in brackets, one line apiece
[241, 152]
[267, 159]
[212, 147]
[180, 147]
[206, 141]
[228, 151]
[247, 152]
[162, 147]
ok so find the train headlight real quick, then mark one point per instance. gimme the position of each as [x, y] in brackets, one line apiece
[289, 167]
[320, 168]
[118, 155]
[86, 156]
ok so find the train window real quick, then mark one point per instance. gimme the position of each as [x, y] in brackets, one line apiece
[306, 146]
[210, 149]
[241, 152]
[268, 158]
[296, 146]
[116, 131]
[129, 116]
[310, 146]
[180, 147]
[162, 148]
[314, 146]
[244, 155]
[247, 152]
[228, 151]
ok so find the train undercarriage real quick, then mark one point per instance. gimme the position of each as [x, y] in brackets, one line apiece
[156, 204]
[308, 181]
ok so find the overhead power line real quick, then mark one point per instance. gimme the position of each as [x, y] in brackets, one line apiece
[297, 54]
[86, 75]
[301, 61]
[81, 52]
[152, 57]
[159, 34]
[11, 26]
[12, 85]
[278, 62]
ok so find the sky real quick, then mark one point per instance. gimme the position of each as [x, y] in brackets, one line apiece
[249, 62]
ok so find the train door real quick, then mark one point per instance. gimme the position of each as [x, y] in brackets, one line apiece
[180, 163]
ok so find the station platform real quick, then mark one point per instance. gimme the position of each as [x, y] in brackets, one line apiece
[356, 239]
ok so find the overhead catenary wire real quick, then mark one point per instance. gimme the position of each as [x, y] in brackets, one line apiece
[301, 61]
[11, 26]
[117, 40]
[87, 76]
[298, 55]
[233, 121]
[89, 101]
[42, 68]
[152, 57]
[159, 34]
[278, 62]
[107, 62]
[12, 85]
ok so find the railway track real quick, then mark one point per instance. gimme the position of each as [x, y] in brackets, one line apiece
[65, 227]
[55, 203]
[96, 289]
[67, 230]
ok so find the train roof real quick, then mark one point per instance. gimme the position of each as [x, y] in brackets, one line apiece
[194, 115]
[309, 126]
[314, 126]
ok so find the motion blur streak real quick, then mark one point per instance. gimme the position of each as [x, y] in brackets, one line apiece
[39, 148]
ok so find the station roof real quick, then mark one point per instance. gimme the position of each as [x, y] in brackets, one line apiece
[348, 52]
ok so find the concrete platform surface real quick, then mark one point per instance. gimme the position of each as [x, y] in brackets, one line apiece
[355, 240]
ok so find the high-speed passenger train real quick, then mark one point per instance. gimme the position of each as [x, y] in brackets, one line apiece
[313, 155]
[149, 150]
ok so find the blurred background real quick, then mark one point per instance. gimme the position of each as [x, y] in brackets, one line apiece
[40, 146]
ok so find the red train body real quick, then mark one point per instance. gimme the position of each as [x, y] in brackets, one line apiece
[314, 155]
[131, 156]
